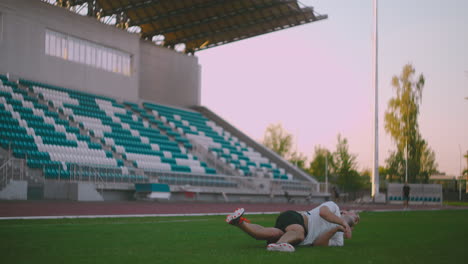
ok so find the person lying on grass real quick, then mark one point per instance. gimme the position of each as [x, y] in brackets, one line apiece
[325, 225]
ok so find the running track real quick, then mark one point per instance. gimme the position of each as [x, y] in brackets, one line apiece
[130, 208]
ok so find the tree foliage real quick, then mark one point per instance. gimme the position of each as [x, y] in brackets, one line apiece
[317, 166]
[401, 122]
[278, 139]
[341, 167]
[298, 159]
[345, 167]
[428, 163]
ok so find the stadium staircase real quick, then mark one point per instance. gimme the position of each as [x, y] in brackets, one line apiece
[215, 143]
[289, 168]
[67, 135]
[219, 142]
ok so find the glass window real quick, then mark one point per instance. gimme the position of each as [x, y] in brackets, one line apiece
[47, 43]
[77, 50]
[119, 63]
[71, 51]
[52, 44]
[64, 49]
[58, 46]
[126, 66]
[109, 60]
[98, 57]
[86, 52]
[104, 59]
[114, 62]
[82, 52]
[93, 56]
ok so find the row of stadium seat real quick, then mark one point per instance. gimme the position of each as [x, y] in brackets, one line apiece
[38, 135]
[42, 138]
[221, 143]
[120, 129]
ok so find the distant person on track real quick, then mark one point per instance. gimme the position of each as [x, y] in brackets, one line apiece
[406, 194]
[287, 196]
[324, 225]
[336, 194]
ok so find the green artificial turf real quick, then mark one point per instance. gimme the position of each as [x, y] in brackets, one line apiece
[381, 237]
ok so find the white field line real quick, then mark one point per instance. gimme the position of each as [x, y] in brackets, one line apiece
[196, 214]
[113, 223]
[122, 216]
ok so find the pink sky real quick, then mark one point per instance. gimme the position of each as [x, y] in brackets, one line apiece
[316, 79]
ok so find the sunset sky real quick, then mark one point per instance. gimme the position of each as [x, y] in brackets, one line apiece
[316, 79]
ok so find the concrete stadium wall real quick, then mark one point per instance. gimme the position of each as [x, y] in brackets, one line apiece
[15, 190]
[22, 48]
[157, 74]
[169, 77]
[88, 192]
[75, 191]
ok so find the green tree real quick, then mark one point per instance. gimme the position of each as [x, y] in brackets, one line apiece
[366, 175]
[345, 167]
[428, 163]
[319, 163]
[278, 139]
[465, 172]
[401, 122]
[395, 166]
[298, 159]
[383, 174]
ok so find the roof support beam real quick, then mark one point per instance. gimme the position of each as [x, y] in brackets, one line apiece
[240, 26]
[241, 11]
[179, 11]
[129, 7]
[235, 39]
[78, 2]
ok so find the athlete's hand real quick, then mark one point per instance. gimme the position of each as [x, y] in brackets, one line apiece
[348, 233]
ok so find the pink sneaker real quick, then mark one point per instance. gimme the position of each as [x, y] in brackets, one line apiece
[281, 247]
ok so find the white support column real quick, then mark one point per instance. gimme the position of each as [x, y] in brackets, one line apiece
[375, 174]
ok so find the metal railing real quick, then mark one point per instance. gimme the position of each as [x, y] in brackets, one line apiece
[237, 183]
[205, 155]
[193, 179]
[296, 186]
[97, 174]
[12, 169]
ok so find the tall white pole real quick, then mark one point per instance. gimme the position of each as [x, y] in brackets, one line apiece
[375, 176]
[326, 172]
[461, 173]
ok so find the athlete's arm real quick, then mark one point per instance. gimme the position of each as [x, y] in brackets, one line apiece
[323, 240]
[328, 216]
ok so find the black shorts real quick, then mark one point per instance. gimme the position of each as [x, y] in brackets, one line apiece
[288, 218]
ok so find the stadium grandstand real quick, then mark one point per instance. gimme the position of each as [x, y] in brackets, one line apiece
[100, 100]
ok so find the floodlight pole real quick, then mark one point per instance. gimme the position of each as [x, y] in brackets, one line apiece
[461, 173]
[326, 172]
[375, 176]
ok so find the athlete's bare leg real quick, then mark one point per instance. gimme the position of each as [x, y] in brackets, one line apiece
[294, 235]
[270, 234]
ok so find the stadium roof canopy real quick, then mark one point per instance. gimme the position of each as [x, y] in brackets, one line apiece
[201, 24]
